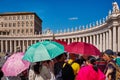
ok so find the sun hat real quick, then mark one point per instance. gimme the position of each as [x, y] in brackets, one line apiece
[109, 52]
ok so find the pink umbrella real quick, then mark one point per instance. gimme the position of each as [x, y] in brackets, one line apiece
[15, 65]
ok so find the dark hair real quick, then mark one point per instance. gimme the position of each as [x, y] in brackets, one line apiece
[80, 60]
[118, 54]
[37, 67]
[60, 56]
[1, 73]
[92, 60]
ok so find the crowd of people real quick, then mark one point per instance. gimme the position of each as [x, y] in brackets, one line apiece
[85, 67]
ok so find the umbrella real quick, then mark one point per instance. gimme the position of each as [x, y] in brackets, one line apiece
[82, 48]
[15, 65]
[42, 51]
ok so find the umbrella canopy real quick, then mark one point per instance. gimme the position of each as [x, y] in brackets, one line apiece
[42, 51]
[15, 65]
[82, 48]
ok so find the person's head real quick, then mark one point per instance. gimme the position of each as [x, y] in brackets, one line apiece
[85, 56]
[72, 56]
[61, 57]
[37, 67]
[92, 61]
[79, 61]
[108, 55]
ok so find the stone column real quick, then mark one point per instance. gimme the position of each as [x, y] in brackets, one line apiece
[68, 40]
[72, 39]
[104, 42]
[118, 39]
[1, 45]
[65, 40]
[6, 45]
[114, 39]
[87, 39]
[110, 39]
[94, 41]
[98, 41]
[83, 39]
[35, 41]
[27, 43]
[23, 46]
[107, 40]
[79, 39]
[101, 42]
[10, 45]
[14, 45]
[90, 39]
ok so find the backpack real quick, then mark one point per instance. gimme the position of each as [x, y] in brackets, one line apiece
[59, 75]
[67, 72]
[117, 70]
[117, 61]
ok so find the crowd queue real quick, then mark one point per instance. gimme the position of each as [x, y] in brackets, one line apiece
[85, 67]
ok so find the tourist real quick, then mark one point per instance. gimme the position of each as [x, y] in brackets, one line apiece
[34, 72]
[110, 70]
[75, 65]
[60, 60]
[90, 71]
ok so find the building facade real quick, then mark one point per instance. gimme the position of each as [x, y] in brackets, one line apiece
[24, 29]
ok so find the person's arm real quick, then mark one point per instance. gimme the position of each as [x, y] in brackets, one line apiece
[47, 72]
[31, 75]
[108, 73]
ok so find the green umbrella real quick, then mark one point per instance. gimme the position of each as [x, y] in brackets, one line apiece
[42, 51]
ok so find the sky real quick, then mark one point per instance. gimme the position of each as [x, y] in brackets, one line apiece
[61, 14]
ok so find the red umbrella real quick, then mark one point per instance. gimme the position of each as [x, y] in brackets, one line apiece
[82, 48]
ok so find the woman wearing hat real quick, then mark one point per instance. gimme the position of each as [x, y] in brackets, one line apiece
[110, 70]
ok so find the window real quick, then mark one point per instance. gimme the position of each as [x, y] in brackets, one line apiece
[14, 18]
[10, 24]
[13, 31]
[5, 18]
[26, 30]
[1, 24]
[18, 17]
[18, 24]
[27, 17]
[22, 17]
[10, 18]
[22, 23]
[14, 24]
[31, 16]
[27, 23]
[31, 23]
[18, 31]
[5, 24]
[31, 30]
[22, 31]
